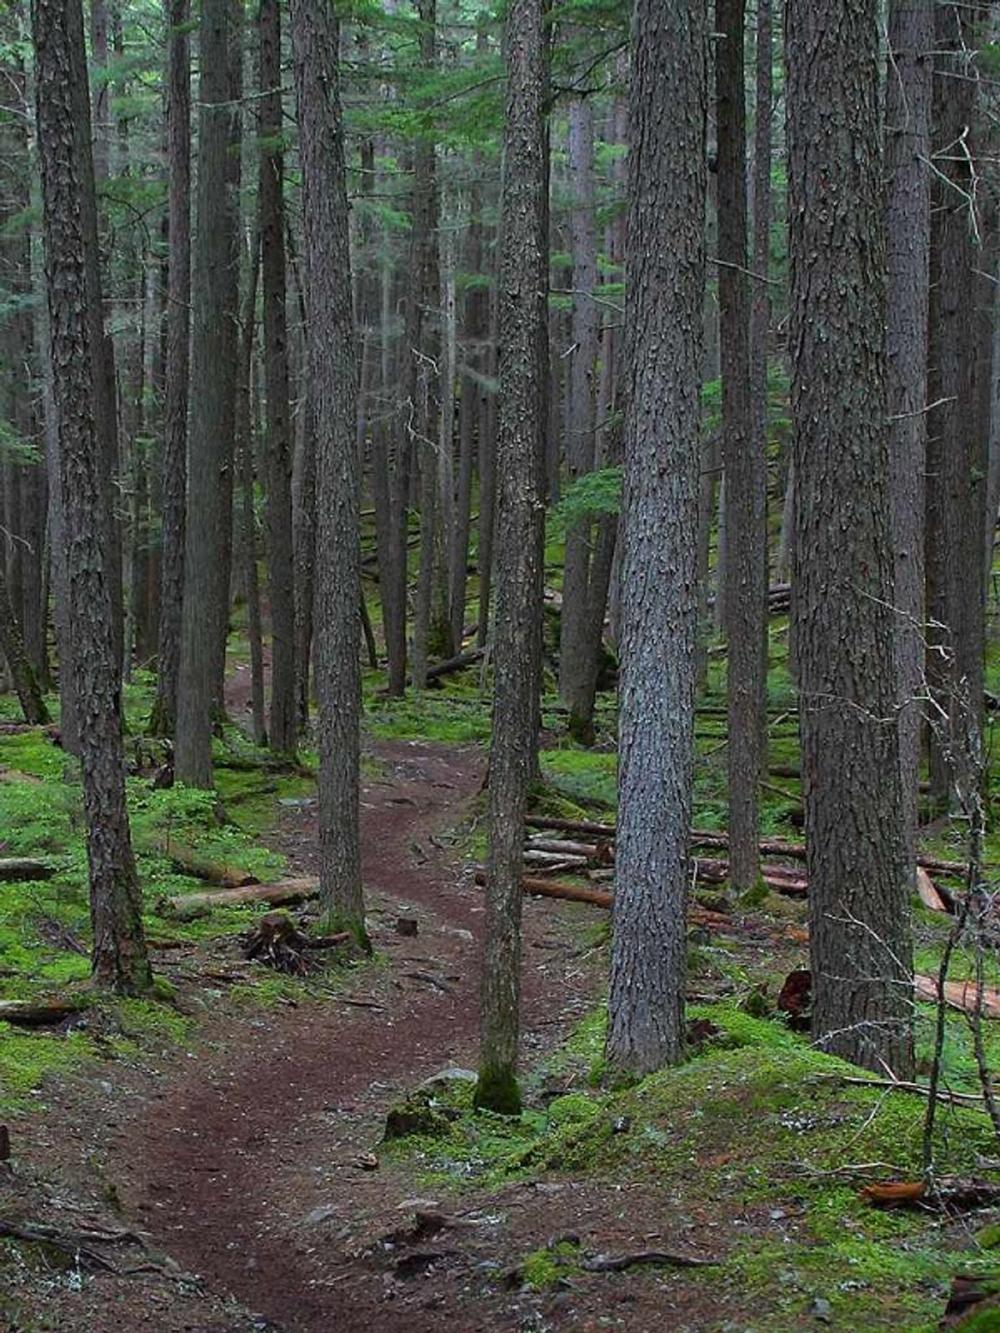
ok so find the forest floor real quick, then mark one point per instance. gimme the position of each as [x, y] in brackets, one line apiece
[215, 1161]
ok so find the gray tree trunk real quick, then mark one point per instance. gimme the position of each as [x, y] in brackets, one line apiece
[177, 369]
[63, 119]
[333, 387]
[744, 460]
[210, 446]
[908, 226]
[522, 312]
[659, 522]
[278, 452]
[860, 946]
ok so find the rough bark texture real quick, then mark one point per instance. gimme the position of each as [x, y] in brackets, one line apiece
[119, 954]
[522, 298]
[174, 466]
[956, 463]
[278, 447]
[659, 596]
[842, 587]
[744, 459]
[908, 222]
[247, 414]
[576, 648]
[210, 448]
[333, 388]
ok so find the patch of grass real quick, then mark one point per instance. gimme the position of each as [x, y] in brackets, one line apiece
[452, 716]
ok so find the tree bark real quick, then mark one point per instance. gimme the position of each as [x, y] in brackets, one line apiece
[744, 460]
[282, 731]
[842, 591]
[908, 222]
[175, 424]
[63, 119]
[956, 462]
[522, 311]
[210, 448]
[333, 387]
[659, 597]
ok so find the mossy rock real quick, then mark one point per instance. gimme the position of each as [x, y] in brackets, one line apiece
[417, 1116]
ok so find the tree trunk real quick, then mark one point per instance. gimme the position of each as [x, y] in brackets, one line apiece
[659, 597]
[743, 457]
[63, 120]
[278, 446]
[908, 222]
[842, 590]
[174, 468]
[210, 453]
[333, 387]
[522, 311]
[577, 652]
[956, 462]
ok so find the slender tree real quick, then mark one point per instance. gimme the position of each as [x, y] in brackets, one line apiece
[523, 286]
[174, 465]
[908, 224]
[210, 446]
[743, 458]
[843, 575]
[659, 599]
[62, 110]
[333, 390]
[282, 732]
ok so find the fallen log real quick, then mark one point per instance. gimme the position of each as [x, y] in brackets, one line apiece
[794, 851]
[285, 893]
[557, 888]
[38, 1013]
[927, 892]
[456, 663]
[535, 856]
[16, 868]
[601, 852]
[960, 995]
[199, 866]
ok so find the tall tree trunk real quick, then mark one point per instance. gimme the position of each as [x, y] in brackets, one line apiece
[175, 423]
[210, 448]
[659, 597]
[63, 119]
[333, 386]
[279, 445]
[743, 458]
[576, 652]
[523, 283]
[956, 462]
[842, 587]
[908, 223]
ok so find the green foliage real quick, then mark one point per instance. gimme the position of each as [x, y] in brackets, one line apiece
[588, 498]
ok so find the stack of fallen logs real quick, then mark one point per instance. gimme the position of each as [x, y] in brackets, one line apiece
[586, 850]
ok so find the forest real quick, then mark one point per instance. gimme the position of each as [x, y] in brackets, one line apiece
[499, 665]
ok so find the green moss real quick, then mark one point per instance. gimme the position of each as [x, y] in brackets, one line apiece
[545, 1268]
[497, 1091]
[27, 1058]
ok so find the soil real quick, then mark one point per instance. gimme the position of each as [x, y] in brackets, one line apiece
[244, 1171]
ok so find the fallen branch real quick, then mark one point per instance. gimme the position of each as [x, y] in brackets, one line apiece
[14, 868]
[963, 995]
[285, 893]
[38, 1013]
[456, 663]
[199, 866]
[618, 1263]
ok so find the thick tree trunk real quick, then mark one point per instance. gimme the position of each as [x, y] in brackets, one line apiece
[842, 587]
[908, 222]
[210, 453]
[333, 387]
[744, 460]
[659, 596]
[174, 468]
[523, 288]
[278, 450]
[63, 119]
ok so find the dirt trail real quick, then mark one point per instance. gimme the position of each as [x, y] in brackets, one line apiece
[249, 1173]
